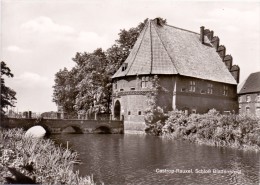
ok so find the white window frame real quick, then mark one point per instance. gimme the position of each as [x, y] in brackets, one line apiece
[248, 98]
[144, 81]
[192, 86]
[225, 91]
[210, 88]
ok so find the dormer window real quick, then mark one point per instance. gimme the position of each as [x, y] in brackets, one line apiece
[124, 66]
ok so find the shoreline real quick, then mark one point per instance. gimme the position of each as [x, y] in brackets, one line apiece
[36, 160]
[254, 148]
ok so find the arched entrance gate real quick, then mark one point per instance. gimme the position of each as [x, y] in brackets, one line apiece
[117, 109]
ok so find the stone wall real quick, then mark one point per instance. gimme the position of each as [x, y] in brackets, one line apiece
[58, 125]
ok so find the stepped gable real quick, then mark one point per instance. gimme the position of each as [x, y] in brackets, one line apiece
[251, 84]
[168, 50]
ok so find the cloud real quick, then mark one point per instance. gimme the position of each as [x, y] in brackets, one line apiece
[92, 40]
[46, 25]
[17, 49]
[29, 79]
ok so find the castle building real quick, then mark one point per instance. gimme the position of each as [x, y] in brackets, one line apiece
[193, 68]
[249, 95]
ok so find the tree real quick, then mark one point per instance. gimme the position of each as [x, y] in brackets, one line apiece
[89, 83]
[118, 52]
[65, 90]
[7, 94]
[154, 114]
[93, 81]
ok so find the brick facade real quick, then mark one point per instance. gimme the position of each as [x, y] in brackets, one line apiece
[181, 92]
[249, 104]
[194, 72]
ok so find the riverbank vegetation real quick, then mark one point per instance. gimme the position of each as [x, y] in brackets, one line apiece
[29, 160]
[212, 128]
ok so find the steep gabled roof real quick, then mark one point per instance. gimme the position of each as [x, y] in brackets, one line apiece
[251, 84]
[164, 49]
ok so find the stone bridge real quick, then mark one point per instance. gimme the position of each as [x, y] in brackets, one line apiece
[58, 125]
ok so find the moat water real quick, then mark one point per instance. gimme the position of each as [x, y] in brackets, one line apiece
[141, 159]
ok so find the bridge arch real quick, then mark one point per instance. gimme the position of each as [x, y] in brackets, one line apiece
[103, 129]
[117, 110]
[76, 128]
[47, 129]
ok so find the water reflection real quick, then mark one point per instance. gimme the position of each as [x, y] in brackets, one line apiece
[123, 159]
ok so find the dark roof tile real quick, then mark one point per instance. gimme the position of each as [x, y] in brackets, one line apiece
[251, 84]
[171, 50]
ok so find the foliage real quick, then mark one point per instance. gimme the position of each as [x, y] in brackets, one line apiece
[65, 90]
[93, 81]
[88, 85]
[7, 94]
[48, 164]
[239, 131]
[154, 114]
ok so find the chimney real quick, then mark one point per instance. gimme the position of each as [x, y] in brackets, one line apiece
[202, 34]
[235, 71]
[211, 35]
[215, 42]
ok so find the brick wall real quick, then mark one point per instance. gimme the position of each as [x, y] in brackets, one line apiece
[176, 94]
[249, 104]
[202, 100]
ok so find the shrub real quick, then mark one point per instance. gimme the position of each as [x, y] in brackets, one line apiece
[49, 164]
[239, 131]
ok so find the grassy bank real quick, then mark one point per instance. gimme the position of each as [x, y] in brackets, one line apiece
[36, 160]
[236, 131]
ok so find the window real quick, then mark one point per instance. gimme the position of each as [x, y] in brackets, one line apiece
[240, 99]
[210, 88]
[139, 112]
[132, 88]
[129, 112]
[121, 89]
[225, 92]
[193, 111]
[202, 91]
[115, 84]
[192, 86]
[248, 98]
[258, 98]
[247, 110]
[124, 66]
[144, 82]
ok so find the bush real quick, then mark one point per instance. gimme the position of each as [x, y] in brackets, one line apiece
[239, 131]
[48, 163]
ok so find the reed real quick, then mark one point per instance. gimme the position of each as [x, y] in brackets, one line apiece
[38, 159]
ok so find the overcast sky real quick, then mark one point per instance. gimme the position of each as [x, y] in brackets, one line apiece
[39, 37]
